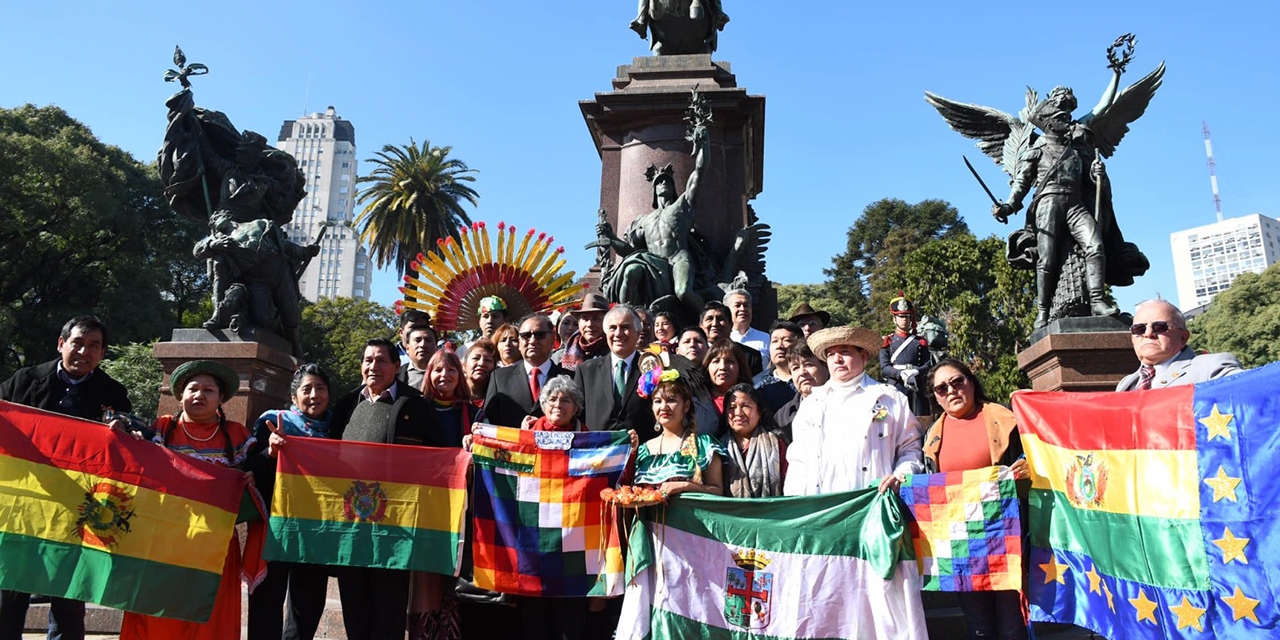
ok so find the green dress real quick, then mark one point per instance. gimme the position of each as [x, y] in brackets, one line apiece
[655, 468]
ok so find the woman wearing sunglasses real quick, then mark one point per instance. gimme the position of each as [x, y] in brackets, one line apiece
[973, 433]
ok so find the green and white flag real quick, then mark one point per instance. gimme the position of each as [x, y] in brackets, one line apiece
[839, 565]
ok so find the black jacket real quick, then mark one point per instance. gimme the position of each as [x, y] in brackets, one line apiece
[415, 421]
[603, 411]
[40, 387]
[508, 399]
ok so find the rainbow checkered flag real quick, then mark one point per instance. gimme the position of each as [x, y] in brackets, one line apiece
[541, 528]
[967, 529]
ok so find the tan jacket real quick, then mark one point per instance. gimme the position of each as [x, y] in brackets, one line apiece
[1002, 437]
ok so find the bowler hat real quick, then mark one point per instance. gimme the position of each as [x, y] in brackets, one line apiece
[228, 381]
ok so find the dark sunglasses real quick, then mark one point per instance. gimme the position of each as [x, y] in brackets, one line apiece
[534, 335]
[1158, 327]
[956, 383]
[72, 399]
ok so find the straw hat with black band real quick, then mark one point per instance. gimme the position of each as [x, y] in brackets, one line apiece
[864, 339]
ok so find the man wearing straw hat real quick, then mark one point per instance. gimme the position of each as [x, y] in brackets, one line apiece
[852, 431]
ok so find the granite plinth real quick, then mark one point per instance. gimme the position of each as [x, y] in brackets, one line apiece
[1084, 324]
[641, 122]
[265, 368]
[1079, 361]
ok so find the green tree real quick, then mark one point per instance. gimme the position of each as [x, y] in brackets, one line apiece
[887, 230]
[86, 230]
[817, 295]
[414, 198]
[1243, 320]
[137, 368]
[334, 331]
[989, 307]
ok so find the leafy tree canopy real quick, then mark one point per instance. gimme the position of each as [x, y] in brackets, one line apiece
[86, 230]
[818, 296]
[988, 306]
[334, 331]
[1243, 320]
[137, 368]
[887, 230]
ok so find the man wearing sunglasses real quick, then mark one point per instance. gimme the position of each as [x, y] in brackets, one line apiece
[71, 385]
[513, 391]
[1159, 334]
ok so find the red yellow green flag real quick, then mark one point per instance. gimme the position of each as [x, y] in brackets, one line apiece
[359, 504]
[90, 515]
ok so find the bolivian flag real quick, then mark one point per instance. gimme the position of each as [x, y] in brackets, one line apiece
[89, 514]
[359, 504]
[1154, 513]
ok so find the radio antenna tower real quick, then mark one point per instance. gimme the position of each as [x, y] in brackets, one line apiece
[1213, 170]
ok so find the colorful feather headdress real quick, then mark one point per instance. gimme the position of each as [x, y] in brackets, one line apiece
[451, 281]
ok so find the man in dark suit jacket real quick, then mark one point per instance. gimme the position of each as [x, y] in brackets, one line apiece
[418, 339]
[72, 385]
[511, 395]
[386, 411]
[1159, 334]
[607, 409]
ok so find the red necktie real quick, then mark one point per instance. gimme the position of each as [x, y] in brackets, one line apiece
[1146, 373]
[534, 387]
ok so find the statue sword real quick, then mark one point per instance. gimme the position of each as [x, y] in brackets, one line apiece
[977, 177]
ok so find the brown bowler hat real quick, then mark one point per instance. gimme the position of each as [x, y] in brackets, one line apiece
[865, 339]
[803, 309]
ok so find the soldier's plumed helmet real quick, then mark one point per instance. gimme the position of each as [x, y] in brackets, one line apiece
[901, 306]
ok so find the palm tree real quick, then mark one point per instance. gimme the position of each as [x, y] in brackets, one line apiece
[414, 199]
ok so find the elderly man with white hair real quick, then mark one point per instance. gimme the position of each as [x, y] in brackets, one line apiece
[1159, 334]
[609, 383]
[741, 313]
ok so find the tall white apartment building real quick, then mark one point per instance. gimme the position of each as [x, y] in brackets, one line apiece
[1206, 260]
[325, 147]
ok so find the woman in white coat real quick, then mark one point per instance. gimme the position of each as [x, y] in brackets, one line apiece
[853, 433]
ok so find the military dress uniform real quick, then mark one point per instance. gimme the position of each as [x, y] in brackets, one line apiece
[904, 353]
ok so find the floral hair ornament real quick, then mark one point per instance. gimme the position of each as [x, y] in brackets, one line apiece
[652, 378]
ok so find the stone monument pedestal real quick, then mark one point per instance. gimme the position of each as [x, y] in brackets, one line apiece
[261, 359]
[1079, 354]
[641, 123]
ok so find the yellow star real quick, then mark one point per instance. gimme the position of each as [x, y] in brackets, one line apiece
[1188, 616]
[1242, 607]
[1232, 547]
[1224, 486]
[1217, 423]
[1095, 580]
[1054, 571]
[1146, 608]
[1111, 603]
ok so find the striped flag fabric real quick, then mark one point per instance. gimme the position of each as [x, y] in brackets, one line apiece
[1154, 513]
[838, 565]
[540, 526]
[89, 514]
[967, 529]
[360, 504]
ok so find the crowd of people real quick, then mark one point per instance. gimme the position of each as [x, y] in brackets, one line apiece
[719, 407]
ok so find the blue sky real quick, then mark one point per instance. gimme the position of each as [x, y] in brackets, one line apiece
[846, 119]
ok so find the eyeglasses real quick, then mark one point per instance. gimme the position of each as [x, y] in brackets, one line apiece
[71, 400]
[1158, 327]
[534, 335]
[957, 383]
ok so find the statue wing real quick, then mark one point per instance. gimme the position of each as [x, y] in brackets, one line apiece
[992, 128]
[1109, 127]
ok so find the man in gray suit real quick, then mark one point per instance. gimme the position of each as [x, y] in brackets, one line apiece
[1160, 335]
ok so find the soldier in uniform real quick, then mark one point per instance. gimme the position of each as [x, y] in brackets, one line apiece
[904, 356]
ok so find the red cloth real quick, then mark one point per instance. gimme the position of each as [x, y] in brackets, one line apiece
[224, 622]
[965, 445]
[543, 424]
